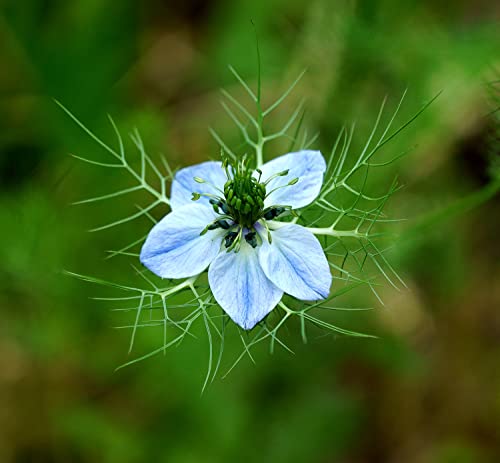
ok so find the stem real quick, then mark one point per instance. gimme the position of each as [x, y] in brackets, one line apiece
[187, 283]
[259, 152]
[287, 310]
[338, 233]
[259, 146]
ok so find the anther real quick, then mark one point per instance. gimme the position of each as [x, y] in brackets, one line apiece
[251, 239]
[274, 212]
[223, 224]
[278, 174]
[229, 239]
[215, 204]
[224, 207]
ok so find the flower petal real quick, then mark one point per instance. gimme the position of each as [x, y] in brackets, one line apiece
[307, 166]
[174, 247]
[241, 288]
[184, 184]
[295, 262]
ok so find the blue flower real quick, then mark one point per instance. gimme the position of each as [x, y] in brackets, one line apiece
[252, 258]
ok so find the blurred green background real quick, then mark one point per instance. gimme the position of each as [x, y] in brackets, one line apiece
[428, 390]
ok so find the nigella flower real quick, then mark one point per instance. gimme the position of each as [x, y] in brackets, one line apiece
[233, 228]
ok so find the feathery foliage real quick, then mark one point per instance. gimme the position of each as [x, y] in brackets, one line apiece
[344, 216]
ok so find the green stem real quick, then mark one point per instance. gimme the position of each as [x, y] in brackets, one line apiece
[337, 233]
[185, 284]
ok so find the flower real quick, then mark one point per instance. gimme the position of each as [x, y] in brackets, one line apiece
[252, 259]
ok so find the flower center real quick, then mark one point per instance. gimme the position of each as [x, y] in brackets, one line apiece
[244, 198]
[241, 204]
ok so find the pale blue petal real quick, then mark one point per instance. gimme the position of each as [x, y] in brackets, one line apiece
[308, 166]
[184, 185]
[174, 247]
[241, 288]
[295, 262]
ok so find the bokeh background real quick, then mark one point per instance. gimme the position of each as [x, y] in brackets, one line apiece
[427, 390]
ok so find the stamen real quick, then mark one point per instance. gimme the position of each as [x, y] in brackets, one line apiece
[236, 242]
[290, 183]
[273, 212]
[197, 196]
[215, 205]
[229, 238]
[221, 222]
[269, 237]
[202, 180]
[279, 174]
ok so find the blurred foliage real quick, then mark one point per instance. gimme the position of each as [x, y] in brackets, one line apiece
[426, 391]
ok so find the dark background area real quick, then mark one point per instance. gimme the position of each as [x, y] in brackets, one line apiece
[427, 390]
